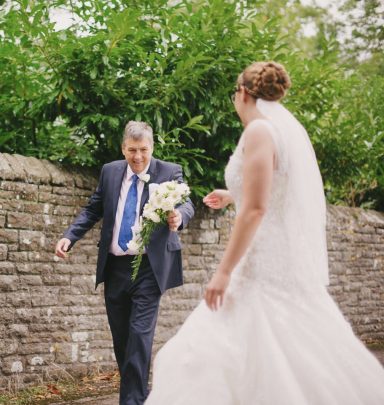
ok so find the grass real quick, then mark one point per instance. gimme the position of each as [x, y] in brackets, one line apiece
[375, 346]
[63, 390]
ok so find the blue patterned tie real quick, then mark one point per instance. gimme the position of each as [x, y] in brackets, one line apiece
[129, 215]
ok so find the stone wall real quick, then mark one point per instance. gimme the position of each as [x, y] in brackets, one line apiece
[356, 265]
[52, 319]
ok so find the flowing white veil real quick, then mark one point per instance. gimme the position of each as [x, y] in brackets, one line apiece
[304, 200]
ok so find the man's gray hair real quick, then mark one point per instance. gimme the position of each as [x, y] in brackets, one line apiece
[137, 130]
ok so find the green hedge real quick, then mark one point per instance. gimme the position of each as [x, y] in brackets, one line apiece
[67, 95]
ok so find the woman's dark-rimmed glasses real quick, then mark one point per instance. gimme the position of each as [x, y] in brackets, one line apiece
[233, 95]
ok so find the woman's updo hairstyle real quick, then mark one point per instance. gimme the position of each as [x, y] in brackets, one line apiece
[266, 80]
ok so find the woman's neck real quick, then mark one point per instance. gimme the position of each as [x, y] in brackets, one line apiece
[250, 114]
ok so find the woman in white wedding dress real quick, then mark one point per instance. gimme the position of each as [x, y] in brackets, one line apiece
[268, 332]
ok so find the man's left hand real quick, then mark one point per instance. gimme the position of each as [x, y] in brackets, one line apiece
[174, 220]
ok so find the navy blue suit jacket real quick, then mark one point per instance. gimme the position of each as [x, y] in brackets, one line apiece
[164, 249]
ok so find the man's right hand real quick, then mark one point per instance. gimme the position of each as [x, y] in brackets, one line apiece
[218, 199]
[62, 247]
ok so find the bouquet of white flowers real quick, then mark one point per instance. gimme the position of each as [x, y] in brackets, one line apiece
[163, 200]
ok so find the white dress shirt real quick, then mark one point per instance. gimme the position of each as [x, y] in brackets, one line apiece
[127, 181]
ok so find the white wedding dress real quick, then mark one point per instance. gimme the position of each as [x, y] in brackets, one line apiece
[279, 338]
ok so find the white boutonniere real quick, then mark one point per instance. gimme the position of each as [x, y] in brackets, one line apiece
[144, 177]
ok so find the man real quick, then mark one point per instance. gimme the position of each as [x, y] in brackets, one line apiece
[132, 306]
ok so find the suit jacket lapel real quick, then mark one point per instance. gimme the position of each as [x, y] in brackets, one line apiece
[152, 172]
[117, 180]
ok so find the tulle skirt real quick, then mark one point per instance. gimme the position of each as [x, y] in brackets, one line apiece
[267, 346]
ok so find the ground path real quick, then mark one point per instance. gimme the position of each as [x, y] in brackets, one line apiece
[113, 399]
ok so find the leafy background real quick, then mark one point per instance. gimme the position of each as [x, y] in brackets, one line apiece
[66, 95]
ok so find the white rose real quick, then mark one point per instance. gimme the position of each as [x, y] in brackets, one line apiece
[148, 210]
[168, 204]
[148, 206]
[183, 189]
[171, 185]
[147, 215]
[144, 177]
[136, 229]
[154, 217]
[157, 201]
[133, 245]
[176, 196]
[152, 187]
[162, 190]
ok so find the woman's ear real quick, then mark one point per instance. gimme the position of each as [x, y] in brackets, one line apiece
[243, 94]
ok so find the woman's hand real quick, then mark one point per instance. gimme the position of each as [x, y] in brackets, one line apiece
[218, 199]
[214, 294]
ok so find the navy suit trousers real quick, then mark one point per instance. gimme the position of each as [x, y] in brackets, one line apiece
[132, 309]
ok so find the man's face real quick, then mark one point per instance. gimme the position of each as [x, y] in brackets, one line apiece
[137, 153]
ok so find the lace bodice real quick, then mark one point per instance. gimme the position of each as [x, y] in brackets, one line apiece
[234, 173]
[276, 255]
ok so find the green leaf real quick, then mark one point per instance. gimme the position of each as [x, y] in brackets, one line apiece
[193, 121]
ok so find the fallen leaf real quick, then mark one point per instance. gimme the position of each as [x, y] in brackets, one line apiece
[53, 389]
